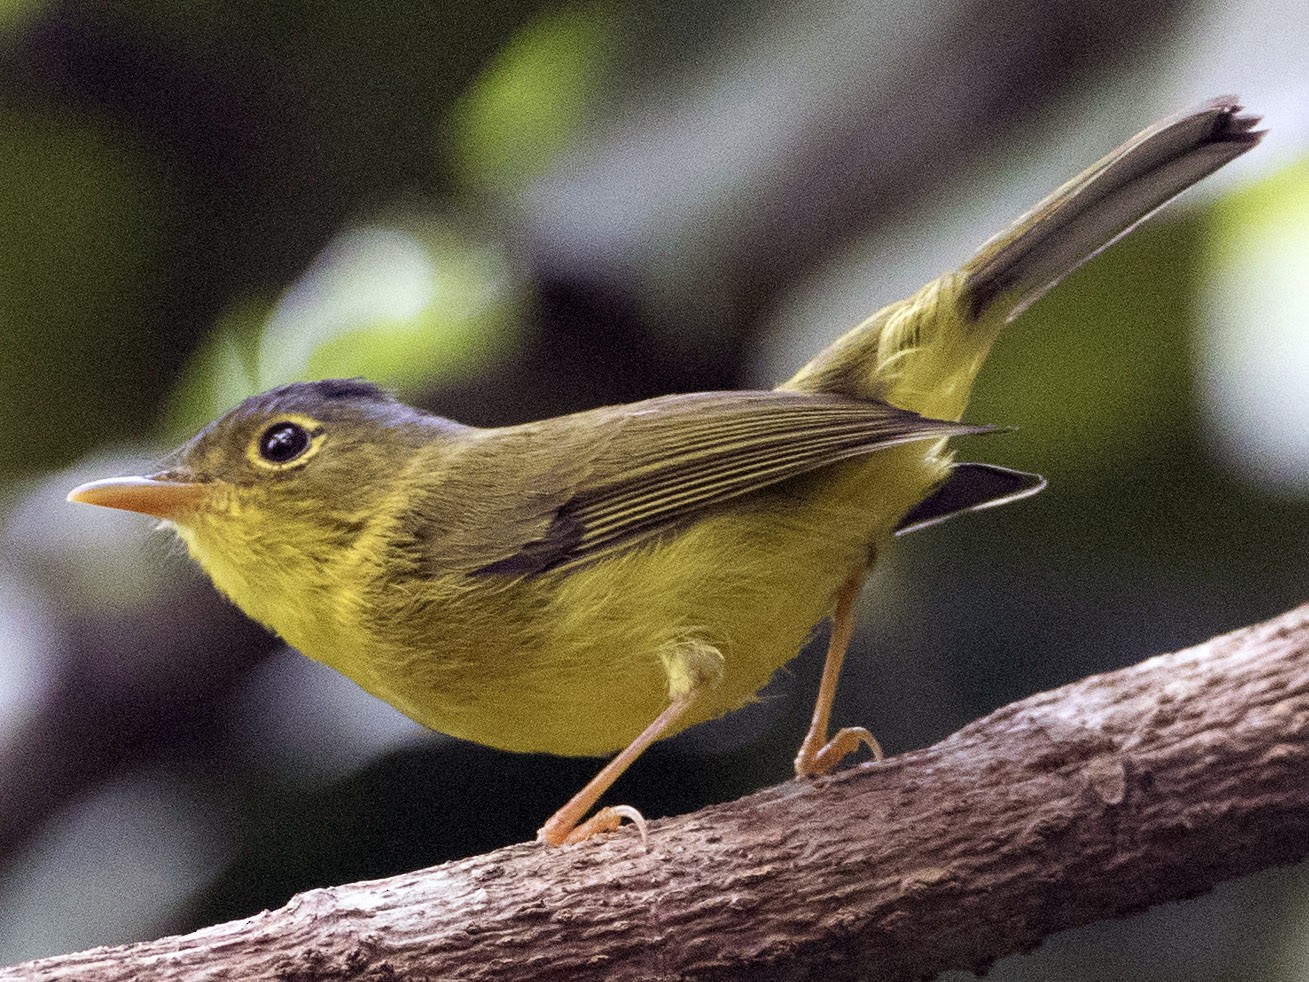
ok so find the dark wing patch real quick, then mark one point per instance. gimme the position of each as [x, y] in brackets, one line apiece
[560, 538]
[970, 487]
[653, 464]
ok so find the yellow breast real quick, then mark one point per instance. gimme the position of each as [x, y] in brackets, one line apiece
[569, 662]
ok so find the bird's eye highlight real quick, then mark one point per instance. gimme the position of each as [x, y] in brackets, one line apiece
[283, 442]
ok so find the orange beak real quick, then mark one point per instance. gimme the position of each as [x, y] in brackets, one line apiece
[162, 496]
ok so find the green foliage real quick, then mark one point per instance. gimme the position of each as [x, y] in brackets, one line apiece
[406, 305]
[13, 13]
[1097, 373]
[1257, 254]
[85, 218]
[1266, 212]
[533, 97]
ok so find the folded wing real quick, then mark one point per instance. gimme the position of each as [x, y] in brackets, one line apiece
[651, 465]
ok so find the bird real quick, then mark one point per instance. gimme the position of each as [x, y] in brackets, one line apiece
[591, 583]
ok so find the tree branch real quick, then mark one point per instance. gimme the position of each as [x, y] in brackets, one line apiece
[1093, 801]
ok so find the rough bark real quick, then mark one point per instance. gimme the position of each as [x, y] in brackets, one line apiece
[1092, 801]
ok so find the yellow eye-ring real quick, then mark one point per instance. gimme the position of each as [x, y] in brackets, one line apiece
[286, 443]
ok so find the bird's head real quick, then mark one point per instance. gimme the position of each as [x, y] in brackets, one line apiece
[270, 495]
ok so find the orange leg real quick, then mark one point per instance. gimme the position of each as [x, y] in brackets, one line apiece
[566, 826]
[818, 754]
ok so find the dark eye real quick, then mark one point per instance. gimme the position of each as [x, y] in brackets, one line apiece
[282, 443]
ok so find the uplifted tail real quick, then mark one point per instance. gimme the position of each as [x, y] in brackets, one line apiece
[923, 352]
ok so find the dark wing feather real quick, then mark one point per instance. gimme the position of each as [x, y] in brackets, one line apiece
[970, 487]
[632, 471]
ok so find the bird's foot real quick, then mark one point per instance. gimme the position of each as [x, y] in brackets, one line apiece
[559, 833]
[817, 758]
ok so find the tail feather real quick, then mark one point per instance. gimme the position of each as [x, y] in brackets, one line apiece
[924, 352]
[1105, 202]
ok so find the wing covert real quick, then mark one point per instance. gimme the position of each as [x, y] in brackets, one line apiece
[655, 463]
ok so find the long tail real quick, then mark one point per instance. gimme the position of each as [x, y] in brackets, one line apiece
[924, 352]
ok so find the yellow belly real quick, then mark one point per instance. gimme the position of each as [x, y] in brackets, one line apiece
[569, 662]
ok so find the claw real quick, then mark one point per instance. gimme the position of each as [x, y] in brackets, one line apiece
[607, 820]
[811, 763]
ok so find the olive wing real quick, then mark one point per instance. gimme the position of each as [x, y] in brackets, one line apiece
[597, 481]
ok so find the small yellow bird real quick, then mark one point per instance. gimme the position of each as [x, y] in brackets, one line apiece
[595, 582]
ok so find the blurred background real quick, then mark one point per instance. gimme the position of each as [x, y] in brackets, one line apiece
[509, 210]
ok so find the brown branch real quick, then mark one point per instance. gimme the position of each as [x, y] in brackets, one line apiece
[1093, 801]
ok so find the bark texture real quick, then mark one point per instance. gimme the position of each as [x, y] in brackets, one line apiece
[1092, 801]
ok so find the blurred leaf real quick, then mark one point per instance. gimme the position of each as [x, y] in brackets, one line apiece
[1097, 379]
[14, 13]
[395, 307]
[84, 219]
[403, 305]
[1254, 349]
[1101, 381]
[532, 99]
[220, 374]
[1097, 374]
